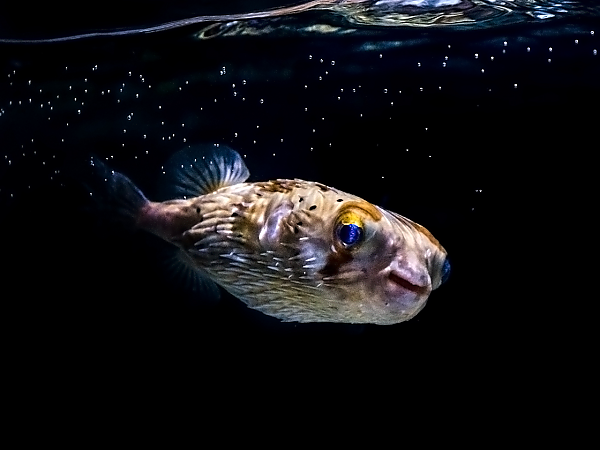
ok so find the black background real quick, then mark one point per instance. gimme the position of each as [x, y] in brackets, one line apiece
[498, 173]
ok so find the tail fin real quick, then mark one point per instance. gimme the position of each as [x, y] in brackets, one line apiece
[114, 196]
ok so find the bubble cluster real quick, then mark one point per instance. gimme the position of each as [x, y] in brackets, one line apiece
[302, 109]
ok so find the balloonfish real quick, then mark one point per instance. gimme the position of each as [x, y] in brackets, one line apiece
[295, 250]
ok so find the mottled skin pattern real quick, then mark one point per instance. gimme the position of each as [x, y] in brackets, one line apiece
[275, 246]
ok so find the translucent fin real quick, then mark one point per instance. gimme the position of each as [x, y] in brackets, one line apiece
[202, 169]
[113, 194]
[188, 278]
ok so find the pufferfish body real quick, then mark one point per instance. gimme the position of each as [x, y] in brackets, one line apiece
[292, 249]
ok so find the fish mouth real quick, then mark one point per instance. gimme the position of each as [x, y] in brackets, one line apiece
[405, 284]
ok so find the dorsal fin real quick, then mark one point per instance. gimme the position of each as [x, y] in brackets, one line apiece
[201, 169]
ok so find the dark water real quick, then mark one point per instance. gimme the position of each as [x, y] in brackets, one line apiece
[472, 132]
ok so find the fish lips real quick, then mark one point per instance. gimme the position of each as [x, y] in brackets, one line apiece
[404, 288]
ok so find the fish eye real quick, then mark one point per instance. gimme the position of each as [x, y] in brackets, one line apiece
[350, 234]
[445, 270]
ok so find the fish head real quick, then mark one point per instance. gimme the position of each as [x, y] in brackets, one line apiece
[383, 265]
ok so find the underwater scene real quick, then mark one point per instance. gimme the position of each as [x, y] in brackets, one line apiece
[463, 116]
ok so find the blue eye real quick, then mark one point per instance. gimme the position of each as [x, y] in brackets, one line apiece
[445, 271]
[350, 234]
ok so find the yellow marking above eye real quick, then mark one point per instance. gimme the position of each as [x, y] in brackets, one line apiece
[362, 209]
[350, 218]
